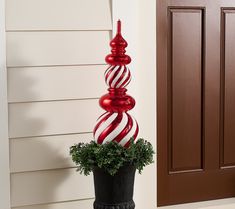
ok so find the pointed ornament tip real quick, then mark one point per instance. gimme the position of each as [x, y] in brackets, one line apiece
[119, 26]
[118, 45]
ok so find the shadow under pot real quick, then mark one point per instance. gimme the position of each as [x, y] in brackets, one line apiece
[114, 192]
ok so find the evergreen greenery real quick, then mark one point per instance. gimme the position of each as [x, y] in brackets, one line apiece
[111, 156]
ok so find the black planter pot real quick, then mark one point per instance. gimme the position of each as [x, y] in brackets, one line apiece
[114, 192]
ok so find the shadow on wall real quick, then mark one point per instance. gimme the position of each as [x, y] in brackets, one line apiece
[32, 181]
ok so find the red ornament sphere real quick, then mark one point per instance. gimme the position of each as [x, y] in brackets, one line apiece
[117, 101]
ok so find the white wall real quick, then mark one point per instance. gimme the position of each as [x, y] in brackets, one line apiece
[146, 95]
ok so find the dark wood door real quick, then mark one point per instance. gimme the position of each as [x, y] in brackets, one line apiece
[196, 100]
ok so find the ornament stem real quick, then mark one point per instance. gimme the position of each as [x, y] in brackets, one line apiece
[119, 27]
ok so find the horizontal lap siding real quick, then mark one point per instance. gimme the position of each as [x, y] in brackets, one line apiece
[81, 204]
[57, 48]
[55, 60]
[50, 118]
[47, 83]
[49, 186]
[49, 152]
[58, 15]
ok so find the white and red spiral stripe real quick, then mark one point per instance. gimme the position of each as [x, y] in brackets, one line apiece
[119, 127]
[118, 76]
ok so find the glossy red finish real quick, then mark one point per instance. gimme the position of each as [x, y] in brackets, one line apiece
[117, 101]
[118, 45]
[116, 124]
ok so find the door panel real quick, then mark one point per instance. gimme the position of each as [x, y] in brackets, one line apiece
[185, 63]
[196, 100]
[229, 87]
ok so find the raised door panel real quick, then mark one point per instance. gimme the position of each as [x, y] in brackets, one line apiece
[228, 87]
[185, 65]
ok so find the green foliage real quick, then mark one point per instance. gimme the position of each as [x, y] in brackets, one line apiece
[111, 156]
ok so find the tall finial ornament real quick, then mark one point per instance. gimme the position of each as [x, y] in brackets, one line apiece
[116, 124]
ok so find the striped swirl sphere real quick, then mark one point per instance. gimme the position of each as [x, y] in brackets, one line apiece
[119, 127]
[117, 76]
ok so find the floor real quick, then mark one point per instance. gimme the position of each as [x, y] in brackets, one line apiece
[215, 204]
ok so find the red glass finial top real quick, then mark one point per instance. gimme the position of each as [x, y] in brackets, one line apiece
[118, 45]
[119, 27]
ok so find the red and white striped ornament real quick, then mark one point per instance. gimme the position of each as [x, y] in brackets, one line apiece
[117, 76]
[116, 124]
[119, 127]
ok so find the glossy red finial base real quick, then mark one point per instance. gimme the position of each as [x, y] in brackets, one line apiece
[117, 101]
[118, 45]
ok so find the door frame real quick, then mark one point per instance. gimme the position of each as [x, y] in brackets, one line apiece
[4, 139]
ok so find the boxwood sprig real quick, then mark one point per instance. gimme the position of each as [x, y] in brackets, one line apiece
[111, 156]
